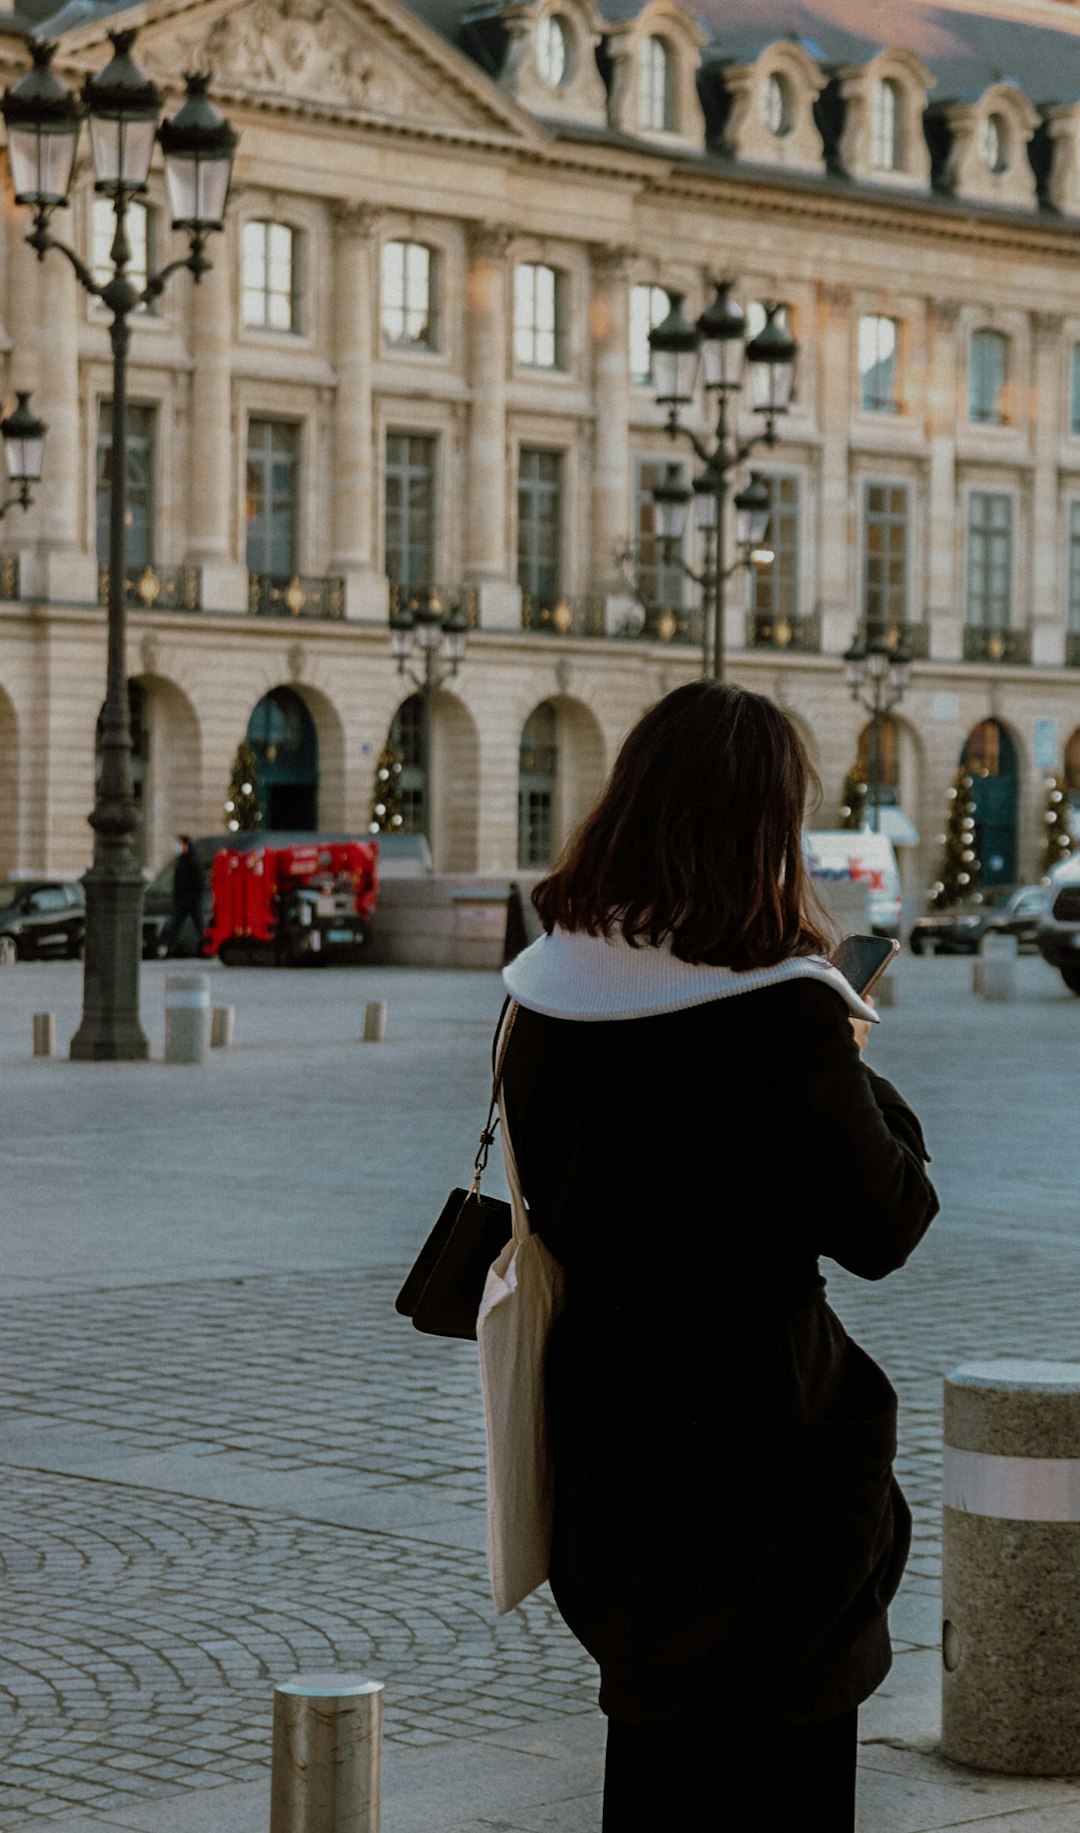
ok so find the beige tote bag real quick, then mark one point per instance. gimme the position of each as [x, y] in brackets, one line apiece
[522, 1298]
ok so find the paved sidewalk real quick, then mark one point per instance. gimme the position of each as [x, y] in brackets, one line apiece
[225, 1458]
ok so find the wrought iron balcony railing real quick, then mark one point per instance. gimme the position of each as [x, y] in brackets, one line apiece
[275, 595]
[764, 631]
[436, 598]
[915, 638]
[564, 616]
[1006, 646]
[156, 588]
[1072, 649]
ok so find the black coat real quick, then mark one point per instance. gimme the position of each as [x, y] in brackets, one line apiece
[189, 882]
[728, 1531]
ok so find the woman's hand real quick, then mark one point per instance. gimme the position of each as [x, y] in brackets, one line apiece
[862, 1028]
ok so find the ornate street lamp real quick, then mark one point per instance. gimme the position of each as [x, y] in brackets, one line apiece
[438, 642]
[23, 436]
[877, 678]
[43, 121]
[718, 341]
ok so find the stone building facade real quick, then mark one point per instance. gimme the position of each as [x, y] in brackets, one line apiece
[419, 364]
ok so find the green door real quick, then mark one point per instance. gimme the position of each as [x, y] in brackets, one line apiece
[990, 758]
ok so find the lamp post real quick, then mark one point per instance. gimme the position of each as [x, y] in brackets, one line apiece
[439, 644]
[878, 678]
[673, 496]
[717, 340]
[43, 120]
[23, 436]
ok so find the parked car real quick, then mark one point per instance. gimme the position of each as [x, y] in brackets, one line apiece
[1016, 913]
[41, 917]
[1059, 932]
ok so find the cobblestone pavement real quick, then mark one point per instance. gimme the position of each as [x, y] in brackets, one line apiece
[211, 1483]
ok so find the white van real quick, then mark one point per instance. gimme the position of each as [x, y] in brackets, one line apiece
[842, 858]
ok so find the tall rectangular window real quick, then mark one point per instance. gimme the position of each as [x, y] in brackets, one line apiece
[271, 274]
[540, 522]
[410, 509]
[879, 348]
[987, 373]
[538, 311]
[408, 296]
[141, 466]
[774, 589]
[140, 235]
[989, 560]
[1074, 569]
[886, 529]
[273, 481]
[649, 305]
[660, 582]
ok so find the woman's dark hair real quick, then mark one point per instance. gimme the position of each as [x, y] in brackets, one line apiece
[696, 840]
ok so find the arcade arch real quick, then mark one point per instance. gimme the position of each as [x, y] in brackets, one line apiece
[560, 774]
[989, 756]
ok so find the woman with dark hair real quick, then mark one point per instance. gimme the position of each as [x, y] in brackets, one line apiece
[694, 1125]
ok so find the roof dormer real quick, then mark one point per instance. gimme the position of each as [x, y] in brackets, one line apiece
[884, 102]
[987, 159]
[653, 86]
[550, 61]
[771, 115]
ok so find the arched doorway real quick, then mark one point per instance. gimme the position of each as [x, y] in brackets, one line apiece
[139, 722]
[1072, 778]
[9, 788]
[407, 740]
[538, 758]
[881, 759]
[281, 732]
[989, 757]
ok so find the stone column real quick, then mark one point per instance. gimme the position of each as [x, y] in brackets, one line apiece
[609, 327]
[488, 565]
[837, 582]
[212, 477]
[354, 335]
[944, 599]
[1041, 604]
[68, 569]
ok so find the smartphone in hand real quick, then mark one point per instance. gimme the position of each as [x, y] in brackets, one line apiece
[863, 959]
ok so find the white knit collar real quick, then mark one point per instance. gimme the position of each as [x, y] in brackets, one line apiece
[603, 977]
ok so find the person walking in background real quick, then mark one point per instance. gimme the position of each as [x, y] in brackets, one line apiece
[694, 1124]
[188, 894]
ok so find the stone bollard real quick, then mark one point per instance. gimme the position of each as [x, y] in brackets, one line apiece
[222, 1024]
[375, 1021]
[998, 964]
[884, 994]
[187, 1018]
[977, 976]
[325, 1774]
[1010, 1557]
[44, 1034]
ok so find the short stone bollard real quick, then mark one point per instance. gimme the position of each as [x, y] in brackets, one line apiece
[997, 976]
[1010, 1557]
[187, 1018]
[326, 1770]
[44, 1034]
[222, 1025]
[375, 1021]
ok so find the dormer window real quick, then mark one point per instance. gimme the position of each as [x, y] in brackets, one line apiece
[776, 105]
[994, 143]
[553, 50]
[887, 127]
[657, 88]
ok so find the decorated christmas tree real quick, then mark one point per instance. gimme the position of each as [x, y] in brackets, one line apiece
[1058, 841]
[853, 799]
[386, 816]
[242, 812]
[958, 875]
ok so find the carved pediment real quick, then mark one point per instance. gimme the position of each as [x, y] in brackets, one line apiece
[362, 57]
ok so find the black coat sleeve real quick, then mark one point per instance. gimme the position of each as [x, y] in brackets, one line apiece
[863, 1146]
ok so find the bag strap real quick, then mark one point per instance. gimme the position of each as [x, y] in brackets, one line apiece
[498, 1059]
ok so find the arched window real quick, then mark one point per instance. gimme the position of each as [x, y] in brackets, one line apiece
[656, 70]
[887, 127]
[776, 104]
[553, 50]
[994, 143]
[282, 734]
[880, 762]
[537, 772]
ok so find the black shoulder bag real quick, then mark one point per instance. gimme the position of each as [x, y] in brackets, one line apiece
[443, 1291]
